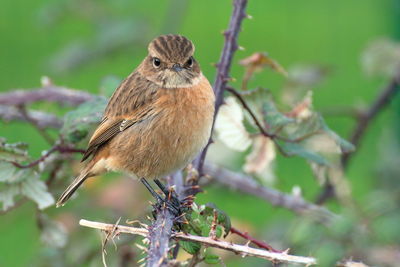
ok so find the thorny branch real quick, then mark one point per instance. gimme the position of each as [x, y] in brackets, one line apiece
[161, 230]
[258, 243]
[224, 65]
[364, 120]
[243, 250]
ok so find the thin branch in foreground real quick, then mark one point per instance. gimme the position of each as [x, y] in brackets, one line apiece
[237, 249]
[247, 185]
[258, 243]
[224, 65]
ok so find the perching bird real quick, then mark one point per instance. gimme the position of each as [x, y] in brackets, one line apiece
[157, 120]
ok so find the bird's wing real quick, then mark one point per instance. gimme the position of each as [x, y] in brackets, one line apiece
[131, 103]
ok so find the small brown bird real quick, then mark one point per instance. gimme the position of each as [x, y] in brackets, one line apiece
[156, 121]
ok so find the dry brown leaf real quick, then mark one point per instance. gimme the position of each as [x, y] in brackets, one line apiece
[257, 62]
[303, 109]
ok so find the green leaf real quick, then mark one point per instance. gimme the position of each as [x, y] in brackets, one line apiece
[205, 229]
[53, 233]
[77, 123]
[13, 152]
[345, 146]
[36, 190]
[292, 149]
[274, 118]
[211, 259]
[222, 218]
[190, 247]
[7, 196]
[263, 106]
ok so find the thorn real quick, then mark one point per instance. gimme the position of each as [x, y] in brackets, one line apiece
[241, 48]
[248, 16]
[142, 247]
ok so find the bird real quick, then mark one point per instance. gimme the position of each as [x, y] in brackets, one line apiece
[157, 120]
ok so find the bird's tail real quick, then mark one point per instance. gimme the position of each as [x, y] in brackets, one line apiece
[73, 187]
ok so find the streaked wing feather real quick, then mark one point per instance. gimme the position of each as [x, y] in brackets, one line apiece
[115, 121]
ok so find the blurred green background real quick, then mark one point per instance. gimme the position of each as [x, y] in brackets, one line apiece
[78, 43]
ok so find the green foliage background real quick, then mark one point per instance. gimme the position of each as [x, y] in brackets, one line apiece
[115, 33]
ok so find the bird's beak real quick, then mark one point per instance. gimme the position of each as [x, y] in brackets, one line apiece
[177, 67]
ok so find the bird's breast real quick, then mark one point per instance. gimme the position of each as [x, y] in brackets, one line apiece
[180, 128]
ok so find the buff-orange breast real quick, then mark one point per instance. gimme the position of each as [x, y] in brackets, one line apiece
[171, 139]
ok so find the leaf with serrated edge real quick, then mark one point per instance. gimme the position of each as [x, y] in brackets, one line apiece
[7, 196]
[36, 190]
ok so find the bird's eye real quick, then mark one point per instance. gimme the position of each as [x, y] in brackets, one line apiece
[189, 63]
[156, 62]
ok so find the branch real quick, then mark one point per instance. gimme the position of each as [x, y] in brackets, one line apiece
[50, 93]
[247, 185]
[159, 235]
[365, 119]
[237, 249]
[253, 116]
[257, 242]
[56, 148]
[43, 119]
[224, 65]
[377, 106]
[160, 231]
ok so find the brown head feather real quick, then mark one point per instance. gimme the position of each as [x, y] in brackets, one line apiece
[173, 48]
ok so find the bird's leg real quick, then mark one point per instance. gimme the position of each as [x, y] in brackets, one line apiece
[151, 190]
[170, 194]
[173, 206]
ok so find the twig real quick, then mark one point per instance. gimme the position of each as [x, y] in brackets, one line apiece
[247, 185]
[56, 148]
[378, 105]
[50, 93]
[273, 136]
[43, 119]
[238, 249]
[253, 116]
[258, 243]
[224, 65]
[365, 119]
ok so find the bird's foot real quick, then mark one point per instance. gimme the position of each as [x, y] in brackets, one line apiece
[170, 200]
